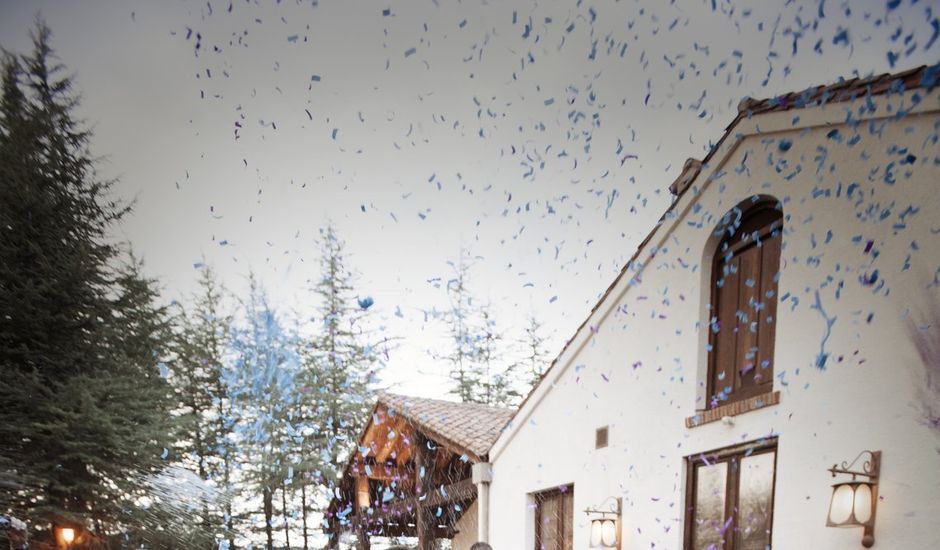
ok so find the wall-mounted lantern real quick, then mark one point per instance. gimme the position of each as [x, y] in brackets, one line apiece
[605, 524]
[67, 534]
[363, 501]
[855, 501]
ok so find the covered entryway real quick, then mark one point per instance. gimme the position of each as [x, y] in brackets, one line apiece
[417, 468]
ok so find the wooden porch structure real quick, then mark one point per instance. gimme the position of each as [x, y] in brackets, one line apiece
[410, 474]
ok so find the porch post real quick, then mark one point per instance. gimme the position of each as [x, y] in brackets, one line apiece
[363, 536]
[422, 515]
[333, 538]
[425, 529]
[482, 476]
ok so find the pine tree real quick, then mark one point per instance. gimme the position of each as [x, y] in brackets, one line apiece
[497, 382]
[263, 385]
[84, 411]
[204, 407]
[477, 355]
[340, 364]
[535, 355]
[462, 325]
[308, 434]
[344, 360]
[133, 398]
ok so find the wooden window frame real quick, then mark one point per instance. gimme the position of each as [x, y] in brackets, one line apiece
[541, 497]
[738, 246]
[732, 481]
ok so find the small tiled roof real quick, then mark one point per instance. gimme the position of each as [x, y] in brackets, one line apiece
[470, 426]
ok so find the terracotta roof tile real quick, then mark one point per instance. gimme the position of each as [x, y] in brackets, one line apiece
[847, 90]
[470, 426]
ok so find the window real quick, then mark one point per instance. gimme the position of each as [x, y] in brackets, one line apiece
[730, 498]
[554, 519]
[745, 271]
[600, 438]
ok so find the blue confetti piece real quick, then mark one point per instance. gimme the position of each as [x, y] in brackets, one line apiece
[841, 37]
[893, 58]
[932, 73]
[933, 38]
[823, 355]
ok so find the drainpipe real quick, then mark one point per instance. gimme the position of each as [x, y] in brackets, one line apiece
[482, 476]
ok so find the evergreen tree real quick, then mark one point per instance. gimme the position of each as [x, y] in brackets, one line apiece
[477, 355]
[497, 383]
[84, 412]
[462, 326]
[340, 365]
[308, 462]
[343, 360]
[204, 407]
[133, 399]
[535, 355]
[263, 385]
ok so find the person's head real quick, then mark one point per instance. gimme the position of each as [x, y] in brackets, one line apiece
[481, 546]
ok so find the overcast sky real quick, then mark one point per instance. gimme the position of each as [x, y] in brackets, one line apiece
[541, 136]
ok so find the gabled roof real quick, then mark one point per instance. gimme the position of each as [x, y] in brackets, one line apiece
[847, 90]
[925, 76]
[469, 427]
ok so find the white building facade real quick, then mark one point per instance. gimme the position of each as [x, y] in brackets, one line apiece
[835, 347]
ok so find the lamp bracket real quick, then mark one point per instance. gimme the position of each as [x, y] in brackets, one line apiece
[870, 466]
[600, 512]
[612, 505]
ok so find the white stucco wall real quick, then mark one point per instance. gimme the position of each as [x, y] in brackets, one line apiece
[466, 529]
[641, 369]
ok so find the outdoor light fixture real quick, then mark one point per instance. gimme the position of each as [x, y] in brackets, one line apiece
[362, 492]
[68, 536]
[605, 524]
[854, 502]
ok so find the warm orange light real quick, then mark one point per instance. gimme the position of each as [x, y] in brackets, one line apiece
[68, 535]
[362, 493]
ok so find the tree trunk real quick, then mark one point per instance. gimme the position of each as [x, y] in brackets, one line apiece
[284, 513]
[227, 465]
[332, 542]
[303, 509]
[203, 475]
[229, 520]
[268, 503]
